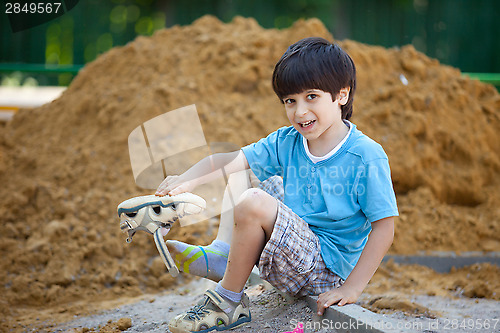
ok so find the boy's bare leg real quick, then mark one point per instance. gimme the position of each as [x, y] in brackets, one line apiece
[254, 217]
[237, 183]
[210, 261]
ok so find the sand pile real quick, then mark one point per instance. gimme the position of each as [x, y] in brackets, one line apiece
[64, 166]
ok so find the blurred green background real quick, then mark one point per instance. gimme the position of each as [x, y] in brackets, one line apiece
[460, 33]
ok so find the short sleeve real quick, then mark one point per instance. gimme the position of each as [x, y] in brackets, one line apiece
[375, 190]
[262, 156]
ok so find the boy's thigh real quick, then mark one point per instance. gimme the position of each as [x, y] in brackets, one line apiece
[291, 260]
[274, 187]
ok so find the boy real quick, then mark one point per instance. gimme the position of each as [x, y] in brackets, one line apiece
[325, 187]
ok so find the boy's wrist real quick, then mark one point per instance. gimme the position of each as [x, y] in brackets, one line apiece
[354, 286]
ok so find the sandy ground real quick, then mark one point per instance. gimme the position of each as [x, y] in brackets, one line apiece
[274, 312]
[271, 312]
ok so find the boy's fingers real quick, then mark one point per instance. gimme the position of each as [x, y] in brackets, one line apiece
[325, 302]
[162, 190]
[168, 185]
[174, 190]
[165, 185]
[161, 193]
[178, 190]
[321, 309]
[322, 304]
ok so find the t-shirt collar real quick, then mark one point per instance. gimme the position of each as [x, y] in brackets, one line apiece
[316, 159]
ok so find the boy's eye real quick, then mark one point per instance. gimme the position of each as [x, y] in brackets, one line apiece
[288, 101]
[312, 96]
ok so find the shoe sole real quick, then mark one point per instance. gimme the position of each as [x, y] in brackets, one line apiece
[214, 328]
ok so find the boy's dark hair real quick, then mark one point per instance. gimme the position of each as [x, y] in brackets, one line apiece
[315, 63]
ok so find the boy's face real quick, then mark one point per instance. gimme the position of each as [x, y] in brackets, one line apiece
[314, 113]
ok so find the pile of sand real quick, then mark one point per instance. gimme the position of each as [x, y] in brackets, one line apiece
[64, 167]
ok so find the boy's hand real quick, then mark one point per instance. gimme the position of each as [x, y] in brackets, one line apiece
[173, 185]
[379, 241]
[342, 295]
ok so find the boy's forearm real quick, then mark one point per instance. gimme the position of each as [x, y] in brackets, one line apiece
[206, 170]
[378, 243]
[213, 167]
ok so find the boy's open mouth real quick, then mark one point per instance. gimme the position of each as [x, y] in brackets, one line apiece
[307, 123]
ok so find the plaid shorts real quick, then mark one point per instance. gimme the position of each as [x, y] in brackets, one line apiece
[291, 260]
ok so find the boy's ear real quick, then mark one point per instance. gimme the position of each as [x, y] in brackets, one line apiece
[343, 95]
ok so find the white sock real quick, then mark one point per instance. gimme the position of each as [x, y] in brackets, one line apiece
[228, 294]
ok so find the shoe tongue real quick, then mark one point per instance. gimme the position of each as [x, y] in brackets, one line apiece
[202, 302]
[208, 304]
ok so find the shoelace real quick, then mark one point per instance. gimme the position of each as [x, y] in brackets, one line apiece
[197, 312]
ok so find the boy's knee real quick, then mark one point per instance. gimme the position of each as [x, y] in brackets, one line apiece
[253, 204]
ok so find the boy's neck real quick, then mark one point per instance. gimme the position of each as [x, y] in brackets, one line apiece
[324, 144]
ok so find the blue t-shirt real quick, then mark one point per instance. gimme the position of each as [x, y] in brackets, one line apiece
[338, 197]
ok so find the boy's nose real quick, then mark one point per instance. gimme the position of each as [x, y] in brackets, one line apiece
[301, 109]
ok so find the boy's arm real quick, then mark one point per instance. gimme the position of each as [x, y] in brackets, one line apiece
[378, 243]
[206, 170]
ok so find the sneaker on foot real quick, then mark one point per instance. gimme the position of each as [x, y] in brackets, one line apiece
[213, 312]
